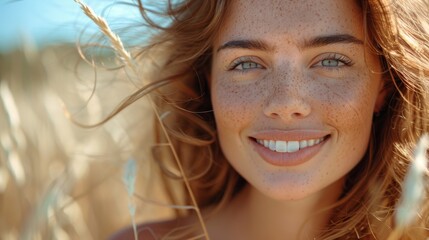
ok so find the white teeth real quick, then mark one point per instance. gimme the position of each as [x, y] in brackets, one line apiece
[281, 146]
[290, 146]
[303, 144]
[266, 143]
[272, 145]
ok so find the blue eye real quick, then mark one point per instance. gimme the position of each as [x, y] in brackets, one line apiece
[332, 63]
[334, 60]
[245, 63]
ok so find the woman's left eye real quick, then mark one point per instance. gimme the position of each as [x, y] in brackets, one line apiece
[334, 61]
[331, 63]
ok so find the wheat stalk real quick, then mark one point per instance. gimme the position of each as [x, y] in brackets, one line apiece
[128, 61]
[115, 40]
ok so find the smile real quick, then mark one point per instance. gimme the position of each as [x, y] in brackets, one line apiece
[289, 146]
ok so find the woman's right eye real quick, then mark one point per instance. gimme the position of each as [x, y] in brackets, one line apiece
[247, 65]
[244, 64]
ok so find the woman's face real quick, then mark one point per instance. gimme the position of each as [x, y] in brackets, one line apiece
[294, 90]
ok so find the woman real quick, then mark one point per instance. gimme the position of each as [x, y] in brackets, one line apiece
[316, 109]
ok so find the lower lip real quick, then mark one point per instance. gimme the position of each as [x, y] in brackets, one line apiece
[285, 159]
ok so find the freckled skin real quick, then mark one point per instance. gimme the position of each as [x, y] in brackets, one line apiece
[290, 93]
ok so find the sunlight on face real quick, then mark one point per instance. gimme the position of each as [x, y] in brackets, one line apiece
[294, 90]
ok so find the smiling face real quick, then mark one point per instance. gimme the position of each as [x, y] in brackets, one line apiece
[294, 90]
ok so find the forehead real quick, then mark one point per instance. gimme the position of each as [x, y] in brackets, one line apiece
[291, 19]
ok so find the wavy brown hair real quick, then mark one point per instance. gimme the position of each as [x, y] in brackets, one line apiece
[180, 56]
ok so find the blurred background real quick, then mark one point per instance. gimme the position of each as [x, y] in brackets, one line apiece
[59, 180]
[43, 23]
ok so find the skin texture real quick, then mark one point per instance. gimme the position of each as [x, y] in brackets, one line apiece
[291, 87]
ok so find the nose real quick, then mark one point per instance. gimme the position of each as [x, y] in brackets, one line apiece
[288, 98]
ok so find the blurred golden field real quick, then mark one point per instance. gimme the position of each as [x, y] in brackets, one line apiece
[59, 180]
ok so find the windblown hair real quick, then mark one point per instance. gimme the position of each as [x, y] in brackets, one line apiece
[398, 31]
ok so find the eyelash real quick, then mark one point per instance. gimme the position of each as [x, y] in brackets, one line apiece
[336, 57]
[242, 60]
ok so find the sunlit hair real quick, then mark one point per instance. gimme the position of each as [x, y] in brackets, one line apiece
[180, 53]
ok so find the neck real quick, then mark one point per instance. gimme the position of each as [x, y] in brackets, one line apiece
[253, 215]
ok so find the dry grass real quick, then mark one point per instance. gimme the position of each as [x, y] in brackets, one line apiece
[115, 40]
[58, 180]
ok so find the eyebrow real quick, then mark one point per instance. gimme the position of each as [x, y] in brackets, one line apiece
[314, 42]
[331, 39]
[245, 44]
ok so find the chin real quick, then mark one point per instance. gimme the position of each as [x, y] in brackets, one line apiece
[292, 191]
[287, 194]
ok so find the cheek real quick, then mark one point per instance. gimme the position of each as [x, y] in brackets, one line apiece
[235, 104]
[350, 103]
[349, 110]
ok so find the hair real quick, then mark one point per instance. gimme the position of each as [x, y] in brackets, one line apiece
[180, 53]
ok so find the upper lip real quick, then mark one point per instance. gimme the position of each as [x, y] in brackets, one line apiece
[289, 135]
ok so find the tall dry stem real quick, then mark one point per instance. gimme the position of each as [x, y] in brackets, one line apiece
[115, 40]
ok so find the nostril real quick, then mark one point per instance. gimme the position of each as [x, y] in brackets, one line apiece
[292, 115]
[274, 115]
[297, 115]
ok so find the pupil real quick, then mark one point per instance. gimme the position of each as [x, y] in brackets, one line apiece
[248, 65]
[330, 63]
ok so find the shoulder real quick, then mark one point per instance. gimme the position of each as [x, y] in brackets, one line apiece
[151, 231]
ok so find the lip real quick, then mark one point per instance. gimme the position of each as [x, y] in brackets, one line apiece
[286, 159]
